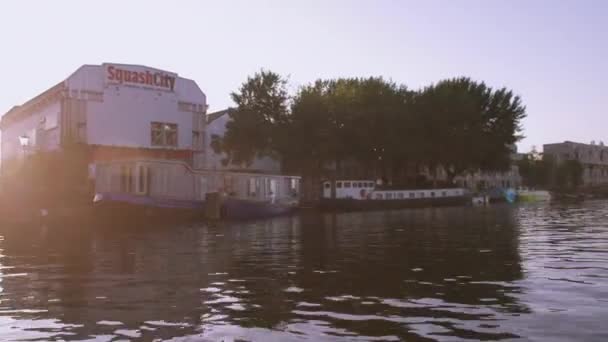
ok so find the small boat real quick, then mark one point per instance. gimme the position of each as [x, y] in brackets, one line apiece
[480, 200]
[527, 195]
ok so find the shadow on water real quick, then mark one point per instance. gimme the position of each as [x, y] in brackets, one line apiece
[413, 274]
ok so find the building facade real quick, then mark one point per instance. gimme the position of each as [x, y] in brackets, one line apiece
[593, 158]
[491, 180]
[117, 111]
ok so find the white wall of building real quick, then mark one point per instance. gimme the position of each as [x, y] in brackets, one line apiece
[106, 111]
[124, 116]
[44, 120]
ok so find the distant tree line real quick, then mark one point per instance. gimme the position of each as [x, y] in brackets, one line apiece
[543, 172]
[457, 124]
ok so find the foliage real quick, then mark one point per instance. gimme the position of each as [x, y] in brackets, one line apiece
[569, 174]
[537, 171]
[457, 124]
[547, 174]
[468, 126]
[256, 124]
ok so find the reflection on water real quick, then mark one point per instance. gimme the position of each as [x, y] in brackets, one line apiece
[536, 272]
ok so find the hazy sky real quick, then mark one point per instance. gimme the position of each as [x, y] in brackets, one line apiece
[552, 53]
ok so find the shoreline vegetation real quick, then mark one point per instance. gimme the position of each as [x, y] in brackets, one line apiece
[455, 127]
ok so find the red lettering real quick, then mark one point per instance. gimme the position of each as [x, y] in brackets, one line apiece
[119, 75]
[157, 79]
[171, 82]
[111, 73]
[148, 78]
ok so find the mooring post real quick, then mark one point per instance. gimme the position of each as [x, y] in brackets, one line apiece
[213, 205]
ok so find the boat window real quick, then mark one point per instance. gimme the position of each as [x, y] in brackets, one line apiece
[371, 185]
[389, 196]
[347, 184]
[421, 194]
[444, 193]
[401, 196]
[126, 180]
[141, 181]
[378, 196]
[432, 193]
[326, 185]
[412, 195]
[338, 184]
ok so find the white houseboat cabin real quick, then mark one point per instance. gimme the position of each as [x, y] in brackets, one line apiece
[366, 190]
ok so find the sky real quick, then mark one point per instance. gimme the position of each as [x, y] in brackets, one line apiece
[554, 54]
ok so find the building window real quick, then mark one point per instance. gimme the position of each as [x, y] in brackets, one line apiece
[163, 134]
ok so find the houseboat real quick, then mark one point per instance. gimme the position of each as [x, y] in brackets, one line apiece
[162, 188]
[364, 194]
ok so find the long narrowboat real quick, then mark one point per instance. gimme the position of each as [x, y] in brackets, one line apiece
[366, 195]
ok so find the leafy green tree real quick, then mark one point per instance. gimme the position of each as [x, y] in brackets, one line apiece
[569, 174]
[469, 125]
[457, 124]
[256, 124]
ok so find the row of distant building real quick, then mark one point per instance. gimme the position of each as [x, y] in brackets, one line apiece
[124, 111]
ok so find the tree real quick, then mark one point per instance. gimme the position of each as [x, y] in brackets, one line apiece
[469, 125]
[457, 124]
[569, 174]
[255, 126]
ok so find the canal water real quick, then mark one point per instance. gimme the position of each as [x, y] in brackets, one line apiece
[535, 272]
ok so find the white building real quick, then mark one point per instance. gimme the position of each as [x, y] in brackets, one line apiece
[143, 131]
[117, 111]
[216, 126]
[592, 157]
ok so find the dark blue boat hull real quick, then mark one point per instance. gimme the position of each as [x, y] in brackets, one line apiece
[233, 208]
[127, 207]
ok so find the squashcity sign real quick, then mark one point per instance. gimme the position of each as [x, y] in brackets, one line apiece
[142, 77]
